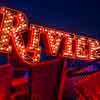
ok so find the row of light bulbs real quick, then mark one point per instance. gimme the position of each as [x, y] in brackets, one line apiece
[54, 38]
[68, 50]
[81, 45]
[33, 45]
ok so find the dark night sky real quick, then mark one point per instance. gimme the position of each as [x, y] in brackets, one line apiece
[71, 15]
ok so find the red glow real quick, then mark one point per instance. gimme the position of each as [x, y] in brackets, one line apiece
[33, 45]
[68, 45]
[93, 46]
[54, 39]
[14, 23]
[82, 47]
[89, 87]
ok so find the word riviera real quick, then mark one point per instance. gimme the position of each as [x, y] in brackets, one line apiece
[57, 43]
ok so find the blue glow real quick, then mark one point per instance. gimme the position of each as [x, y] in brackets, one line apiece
[3, 58]
[26, 74]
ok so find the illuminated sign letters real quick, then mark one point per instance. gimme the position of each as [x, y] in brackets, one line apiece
[57, 43]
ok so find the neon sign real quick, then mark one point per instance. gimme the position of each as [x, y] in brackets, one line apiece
[57, 43]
